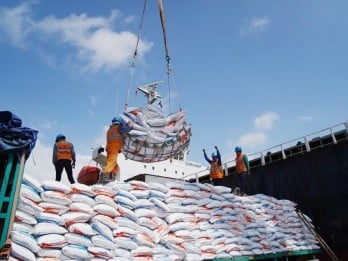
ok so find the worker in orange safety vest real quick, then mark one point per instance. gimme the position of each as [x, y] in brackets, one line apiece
[63, 158]
[114, 142]
[243, 170]
[216, 171]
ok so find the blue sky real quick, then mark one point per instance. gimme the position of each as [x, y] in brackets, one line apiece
[249, 73]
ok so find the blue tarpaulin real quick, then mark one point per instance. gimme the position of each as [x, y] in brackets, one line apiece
[14, 137]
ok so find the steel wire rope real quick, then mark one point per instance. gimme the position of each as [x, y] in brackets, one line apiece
[167, 57]
[135, 54]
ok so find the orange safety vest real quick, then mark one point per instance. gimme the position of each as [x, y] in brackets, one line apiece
[240, 165]
[216, 171]
[64, 150]
[113, 134]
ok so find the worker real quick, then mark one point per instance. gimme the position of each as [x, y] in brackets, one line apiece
[216, 172]
[64, 158]
[243, 170]
[114, 142]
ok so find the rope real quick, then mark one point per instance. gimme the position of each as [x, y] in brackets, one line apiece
[169, 67]
[135, 53]
[163, 22]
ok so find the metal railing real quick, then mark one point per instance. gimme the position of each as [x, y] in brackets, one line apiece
[304, 144]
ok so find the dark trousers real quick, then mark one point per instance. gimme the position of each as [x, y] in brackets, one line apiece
[243, 182]
[217, 182]
[64, 164]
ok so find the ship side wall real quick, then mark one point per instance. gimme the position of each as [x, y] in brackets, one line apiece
[317, 181]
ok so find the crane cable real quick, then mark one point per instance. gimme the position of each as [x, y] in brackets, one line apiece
[135, 54]
[167, 57]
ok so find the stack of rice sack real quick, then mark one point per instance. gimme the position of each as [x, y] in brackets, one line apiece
[139, 221]
[154, 135]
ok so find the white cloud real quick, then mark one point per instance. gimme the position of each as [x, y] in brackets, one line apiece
[45, 124]
[95, 45]
[254, 25]
[305, 118]
[93, 100]
[266, 121]
[14, 24]
[252, 139]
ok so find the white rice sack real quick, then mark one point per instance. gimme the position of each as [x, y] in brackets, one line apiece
[106, 220]
[144, 212]
[147, 222]
[50, 217]
[100, 252]
[124, 232]
[127, 118]
[120, 186]
[103, 190]
[21, 252]
[178, 184]
[144, 240]
[180, 217]
[127, 193]
[82, 229]
[76, 252]
[126, 243]
[51, 241]
[56, 186]
[55, 197]
[137, 133]
[80, 240]
[125, 212]
[106, 200]
[142, 251]
[28, 206]
[213, 204]
[81, 207]
[125, 202]
[75, 217]
[82, 189]
[141, 119]
[106, 210]
[21, 216]
[136, 184]
[26, 240]
[82, 198]
[29, 193]
[149, 233]
[53, 208]
[32, 182]
[49, 253]
[157, 122]
[139, 193]
[162, 206]
[23, 227]
[171, 119]
[144, 203]
[120, 252]
[155, 138]
[192, 248]
[132, 110]
[157, 194]
[103, 230]
[183, 226]
[48, 228]
[101, 241]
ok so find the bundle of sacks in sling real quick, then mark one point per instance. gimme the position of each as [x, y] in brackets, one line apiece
[154, 136]
[139, 221]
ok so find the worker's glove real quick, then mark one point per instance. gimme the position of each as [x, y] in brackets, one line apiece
[203, 150]
[73, 164]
